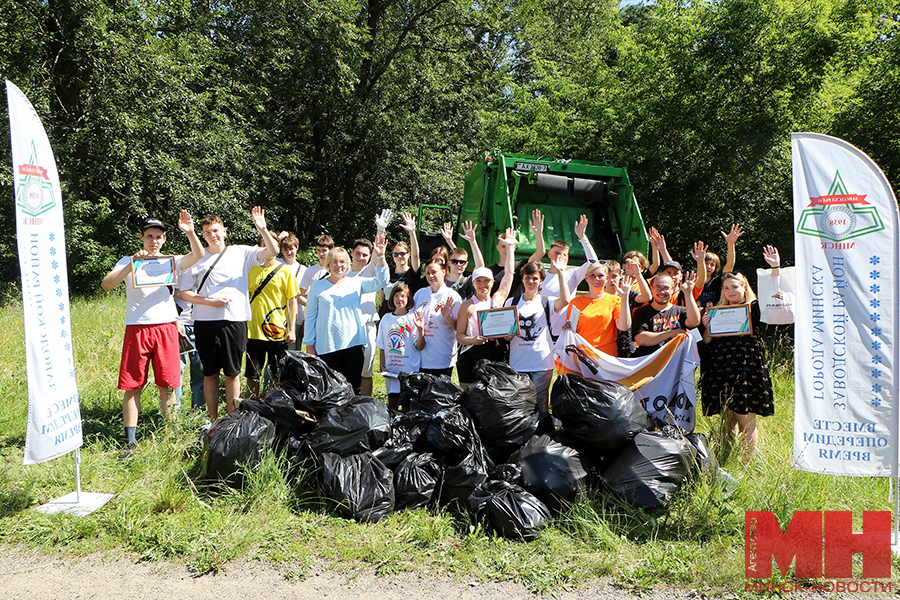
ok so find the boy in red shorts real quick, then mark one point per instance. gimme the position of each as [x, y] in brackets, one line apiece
[150, 332]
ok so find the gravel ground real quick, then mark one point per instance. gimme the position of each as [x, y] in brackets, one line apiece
[25, 576]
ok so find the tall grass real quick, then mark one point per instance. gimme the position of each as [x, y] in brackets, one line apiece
[163, 511]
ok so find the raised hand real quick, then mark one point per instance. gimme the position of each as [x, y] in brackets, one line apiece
[447, 309]
[185, 222]
[770, 254]
[690, 278]
[469, 231]
[657, 240]
[624, 285]
[537, 222]
[581, 226]
[699, 252]
[380, 245]
[259, 218]
[559, 265]
[632, 268]
[409, 222]
[383, 220]
[447, 232]
[736, 232]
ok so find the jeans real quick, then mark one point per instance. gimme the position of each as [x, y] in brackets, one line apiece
[198, 399]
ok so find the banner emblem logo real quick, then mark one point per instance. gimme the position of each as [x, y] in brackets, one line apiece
[35, 190]
[839, 215]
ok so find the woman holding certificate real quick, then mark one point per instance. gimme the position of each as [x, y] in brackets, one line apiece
[476, 343]
[735, 377]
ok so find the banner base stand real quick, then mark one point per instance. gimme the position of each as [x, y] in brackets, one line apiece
[76, 504]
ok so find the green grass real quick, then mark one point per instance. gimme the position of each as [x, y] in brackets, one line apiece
[163, 512]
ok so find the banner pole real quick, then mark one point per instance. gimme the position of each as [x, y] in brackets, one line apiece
[78, 474]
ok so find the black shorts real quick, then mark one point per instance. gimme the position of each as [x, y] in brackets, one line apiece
[348, 362]
[221, 346]
[258, 351]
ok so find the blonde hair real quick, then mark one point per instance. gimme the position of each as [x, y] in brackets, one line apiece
[596, 265]
[332, 254]
[749, 296]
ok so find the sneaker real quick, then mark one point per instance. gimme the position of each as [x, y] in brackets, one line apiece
[128, 451]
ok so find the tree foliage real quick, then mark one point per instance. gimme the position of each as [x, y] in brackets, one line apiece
[326, 111]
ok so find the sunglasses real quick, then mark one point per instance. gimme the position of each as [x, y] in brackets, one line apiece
[396, 254]
[457, 261]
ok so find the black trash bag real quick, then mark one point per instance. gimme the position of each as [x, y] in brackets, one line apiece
[705, 458]
[428, 393]
[509, 510]
[362, 425]
[503, 404]
[451, 435]
[361, 485]
[551, 471]
[301, 462]
[234, 443]
[311, 384]
[509, 472]
[279, 408]
[407, 435]
[415, 480]
[652, 468]
[601, 415]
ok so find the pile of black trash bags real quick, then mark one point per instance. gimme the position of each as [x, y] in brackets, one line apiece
[487, 450]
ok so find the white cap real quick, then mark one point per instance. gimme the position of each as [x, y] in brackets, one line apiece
[482, 272]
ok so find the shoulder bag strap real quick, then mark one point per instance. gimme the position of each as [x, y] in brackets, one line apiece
[265, 281]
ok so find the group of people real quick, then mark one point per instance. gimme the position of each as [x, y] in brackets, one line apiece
[234, 304]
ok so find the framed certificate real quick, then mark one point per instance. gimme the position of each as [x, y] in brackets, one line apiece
[498, 322]
[154, 271]
[730, 320]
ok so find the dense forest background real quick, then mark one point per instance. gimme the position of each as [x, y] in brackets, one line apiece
[326, 111]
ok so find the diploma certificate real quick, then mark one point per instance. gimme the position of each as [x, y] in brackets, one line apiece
[498, 322]
[154, 271]
[730, 320]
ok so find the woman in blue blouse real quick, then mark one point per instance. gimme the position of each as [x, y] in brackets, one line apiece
[334, 327]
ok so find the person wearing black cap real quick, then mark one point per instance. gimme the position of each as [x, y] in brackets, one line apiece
[150, 332]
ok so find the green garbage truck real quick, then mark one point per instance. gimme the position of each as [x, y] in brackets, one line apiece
[502, 190]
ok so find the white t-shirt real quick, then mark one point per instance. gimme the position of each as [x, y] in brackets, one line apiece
[368, 303]
[148, 305]
[313, 273]
[550, 285]
[227, 280]
[532, 350]
[440, 337]
[397, 337]
[298, 270]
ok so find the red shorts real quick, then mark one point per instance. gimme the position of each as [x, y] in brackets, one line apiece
[146, 344]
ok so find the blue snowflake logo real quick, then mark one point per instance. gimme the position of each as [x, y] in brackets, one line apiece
[874, 260]
[876, 402]
[876, 388]
[62, 307]
[876, 345]
[64, 333]
[874, 303]
[876, 331]
[56, 279]
[876, 360]
[62, 320]
[876, 373]
[875, 317]
[874, 274]
[52, 251]
[874, 288]
[58, 292]
[72, 373]
[68, 346]
[52, 237]
[54, 264]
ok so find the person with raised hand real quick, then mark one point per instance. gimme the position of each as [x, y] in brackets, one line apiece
[438, 305]
[559, 253]
[459, 259]
[335, 330]
[151, 329]
[735, 378]
[218, 288]
[712, 289]
[597, 316]
[406, 263]
[655, 324]
[474, 346]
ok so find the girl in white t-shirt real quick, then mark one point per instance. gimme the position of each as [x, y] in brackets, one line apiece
[438, 306]
[401, 336]
[531, 352]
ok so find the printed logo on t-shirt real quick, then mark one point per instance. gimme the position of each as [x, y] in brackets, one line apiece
[273, 331]
[397, 338]
[662, 323]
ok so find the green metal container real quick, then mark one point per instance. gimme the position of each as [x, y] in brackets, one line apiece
[502, 190]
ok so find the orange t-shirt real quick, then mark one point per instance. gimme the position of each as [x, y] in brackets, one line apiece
[597, 321]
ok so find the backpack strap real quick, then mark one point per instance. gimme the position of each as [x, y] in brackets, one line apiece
[265, 281]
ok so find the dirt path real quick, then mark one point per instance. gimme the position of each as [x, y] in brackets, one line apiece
[31, 577]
